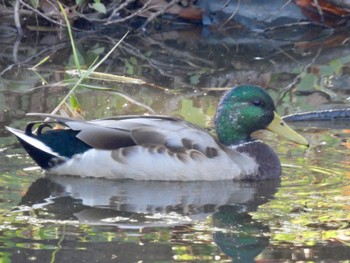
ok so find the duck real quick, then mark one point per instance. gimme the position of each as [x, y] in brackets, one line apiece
[156, 147]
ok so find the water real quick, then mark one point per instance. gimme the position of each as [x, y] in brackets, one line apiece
[304, 217]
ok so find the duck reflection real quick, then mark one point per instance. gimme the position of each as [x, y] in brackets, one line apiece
[142, 204]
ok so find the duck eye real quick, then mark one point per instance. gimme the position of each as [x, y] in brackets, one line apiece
[258, 103]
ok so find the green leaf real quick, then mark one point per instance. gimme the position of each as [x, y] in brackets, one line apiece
[99, 7]
[194, 79]
[133, 61]
[74, 102]
[79, 2]
[130, 68]
[93, 53]
[98, 50]
[148, 53]
[76, 58]
[34, 3]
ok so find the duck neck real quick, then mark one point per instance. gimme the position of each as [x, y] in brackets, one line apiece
[229, 136]
[228, 128]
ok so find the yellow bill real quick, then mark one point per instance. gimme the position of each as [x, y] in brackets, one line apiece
[279, 127]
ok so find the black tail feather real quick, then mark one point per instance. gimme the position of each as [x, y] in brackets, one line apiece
[44, 159]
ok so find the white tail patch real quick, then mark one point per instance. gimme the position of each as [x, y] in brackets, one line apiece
[32, 141]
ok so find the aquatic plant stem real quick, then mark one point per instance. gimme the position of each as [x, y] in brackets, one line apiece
[59, 246]
[75, 55]
[86, 73]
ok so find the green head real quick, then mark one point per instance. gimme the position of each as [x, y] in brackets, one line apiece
[241, 111]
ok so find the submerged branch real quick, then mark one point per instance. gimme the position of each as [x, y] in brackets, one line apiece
[338, 114]
[17, 18]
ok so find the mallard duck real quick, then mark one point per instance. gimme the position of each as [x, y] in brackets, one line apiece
[162, 147]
